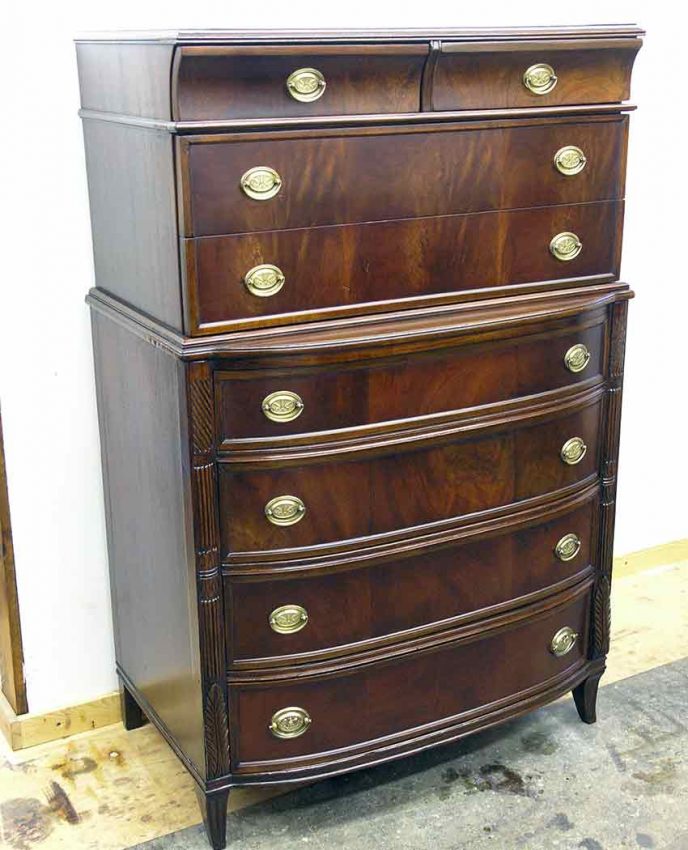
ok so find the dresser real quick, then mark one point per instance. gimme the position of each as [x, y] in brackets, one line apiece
[359, 342]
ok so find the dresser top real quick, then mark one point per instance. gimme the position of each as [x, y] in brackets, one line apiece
[191, 36]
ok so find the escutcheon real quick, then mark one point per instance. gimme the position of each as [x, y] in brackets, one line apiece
[290, 722]
[261, 183]
[285, 510]
[288, 619]
[264, 280]
[565, 246]
[282, 406]
[540, 78]
[577, 357]
[306, 85]
[568, 547]
[573, 451]
[563, 641]
[569, 160]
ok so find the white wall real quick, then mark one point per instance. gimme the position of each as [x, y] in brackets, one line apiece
[46, 381]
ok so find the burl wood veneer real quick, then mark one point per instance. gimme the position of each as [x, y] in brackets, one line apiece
[359, 342]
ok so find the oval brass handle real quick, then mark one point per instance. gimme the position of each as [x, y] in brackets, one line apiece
[563, 641]
[565, 246]
[573, 451]
[282, 406]
[264, 280]
[288, 619]
[285, 510]
[570, 160]
[568, 547]
[261, 183]
[290, 722]
[306, 85]
[540, 78]
[577, 357]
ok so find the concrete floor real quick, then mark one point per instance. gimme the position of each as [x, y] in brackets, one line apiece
[543, 781]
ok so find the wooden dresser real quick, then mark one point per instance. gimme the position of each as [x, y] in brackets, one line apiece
[359, 344]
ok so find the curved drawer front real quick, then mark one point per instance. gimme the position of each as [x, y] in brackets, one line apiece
[349, 609]
[332, 267]
[405, 698]
[282, 81]
[494, 76]
[335, 397]
[344, 499]
[394, 173]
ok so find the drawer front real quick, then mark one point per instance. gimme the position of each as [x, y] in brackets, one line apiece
[403, 697]
[344, 609]
[356, 498]
[495, 76]
[283, 82]
[382, 175]
[336, 397]
[332, 267]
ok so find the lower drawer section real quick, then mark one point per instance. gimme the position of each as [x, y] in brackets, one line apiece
[331, 716]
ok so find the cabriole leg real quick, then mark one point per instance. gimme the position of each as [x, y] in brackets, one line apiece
[585, 697]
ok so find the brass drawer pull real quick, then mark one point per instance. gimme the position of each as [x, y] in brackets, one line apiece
[577, 357]
[264, 280]
[288, 619]
[540, 78]
[261, 183]
[285, 510]
[565, 246]
[573, 451]
[290, 722]
[563, 641]
[570, 160]
[283, 406]
[568, 547]
[306, 85]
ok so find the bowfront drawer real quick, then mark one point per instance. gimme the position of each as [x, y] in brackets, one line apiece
[495, 75]
[272, 404]
[276, 272]
[282, 81]
[235, 184]
[306, 501]
[298, 615]
[412, 697]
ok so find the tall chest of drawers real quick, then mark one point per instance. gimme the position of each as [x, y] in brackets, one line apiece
[359, 337]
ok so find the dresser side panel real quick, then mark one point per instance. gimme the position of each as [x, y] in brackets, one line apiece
[143, 426]
[131, 187]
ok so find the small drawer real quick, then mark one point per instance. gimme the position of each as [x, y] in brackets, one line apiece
[283, 81]
[237, 185]
[275, 403]
[302, 503]
[301, 615]
[336, 715]
[255, 275]
[497, 75]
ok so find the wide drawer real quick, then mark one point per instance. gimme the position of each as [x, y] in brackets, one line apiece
[308, 501]
[238, 184]
[269, 403]
[282, 81]
[304, 612]
[410, 697]
[267, 273]
[492, 75]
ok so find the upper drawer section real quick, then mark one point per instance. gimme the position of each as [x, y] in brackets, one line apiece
[235, 184]
[496, 75]
[283, 81]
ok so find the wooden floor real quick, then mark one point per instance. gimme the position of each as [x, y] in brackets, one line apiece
[111, 789]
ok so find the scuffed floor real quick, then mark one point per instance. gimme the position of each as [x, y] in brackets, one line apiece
[541, 782]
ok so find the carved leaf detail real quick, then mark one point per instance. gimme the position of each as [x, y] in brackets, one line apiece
[201, 401]
[601, 617]
[216, 735]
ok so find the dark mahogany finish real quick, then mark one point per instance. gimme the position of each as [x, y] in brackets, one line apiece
[424, 325]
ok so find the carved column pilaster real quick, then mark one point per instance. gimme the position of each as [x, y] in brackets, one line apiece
[208, 578]
[600, 622]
